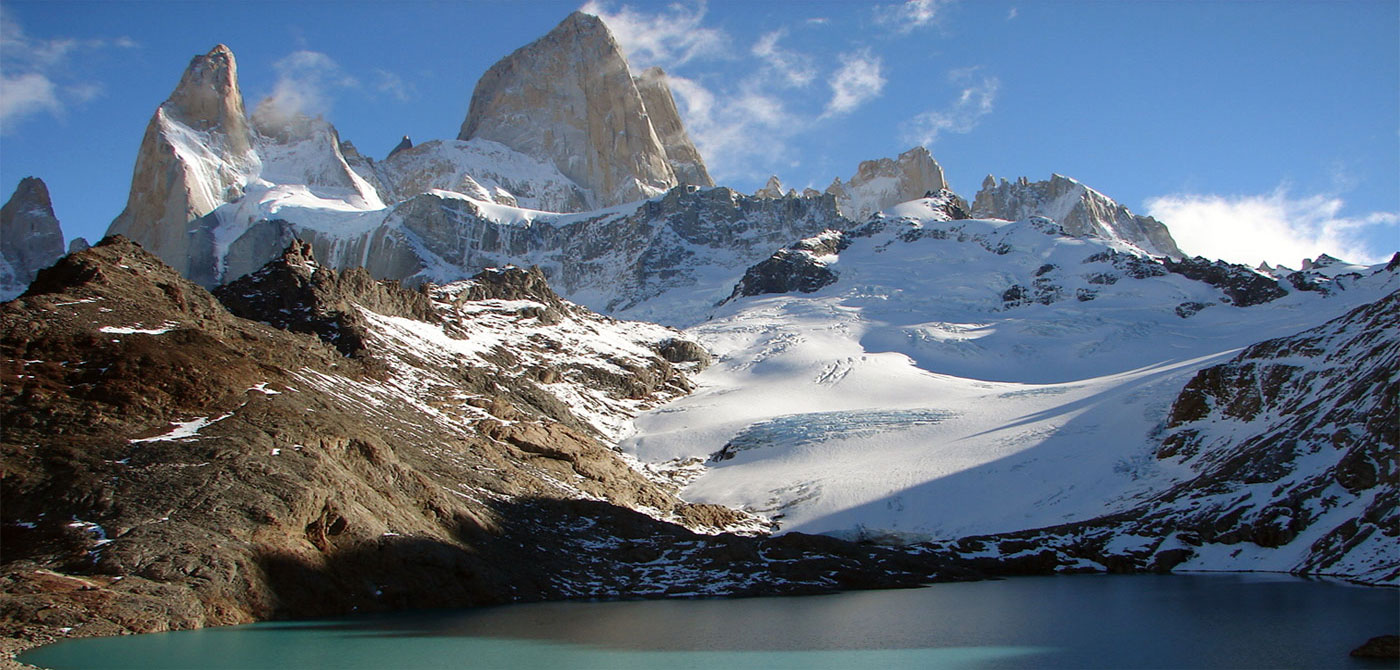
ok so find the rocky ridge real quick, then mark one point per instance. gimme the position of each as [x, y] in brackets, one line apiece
[1080, 209]
[30, 237]
[170, 465]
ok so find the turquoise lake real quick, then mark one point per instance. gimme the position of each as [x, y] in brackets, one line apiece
[1175, 621]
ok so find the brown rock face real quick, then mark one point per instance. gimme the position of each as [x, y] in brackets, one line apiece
[177, 180]
[570, 98]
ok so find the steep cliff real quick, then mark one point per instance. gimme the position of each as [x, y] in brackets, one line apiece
[570, 98]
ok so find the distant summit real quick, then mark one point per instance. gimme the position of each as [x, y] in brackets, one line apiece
[30, 238]
[1080, 209]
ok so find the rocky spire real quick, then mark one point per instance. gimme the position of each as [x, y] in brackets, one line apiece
[885, 182]
[666, 120]
[1079, 209]
[772, 189]
[404, 145]
[177, 180]
[569, 97]
[30, 238]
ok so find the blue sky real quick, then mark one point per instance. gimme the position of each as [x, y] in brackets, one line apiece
[1256, 130]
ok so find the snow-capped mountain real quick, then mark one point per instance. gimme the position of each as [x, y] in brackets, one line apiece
[377, 408]
[1080, 209]
[931, 378]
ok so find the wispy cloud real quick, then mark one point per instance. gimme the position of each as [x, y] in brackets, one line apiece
[393, 85]
[307, 82]
[669, 38]
[1276, 227]
[975, 101]
[792, 69]
[908, 16]
[1012, 14]
[855, 82]
[38, 75]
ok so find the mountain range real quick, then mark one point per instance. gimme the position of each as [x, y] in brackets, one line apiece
[294, 380]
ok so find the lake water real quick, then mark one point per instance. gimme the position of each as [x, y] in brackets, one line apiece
[1176, 621]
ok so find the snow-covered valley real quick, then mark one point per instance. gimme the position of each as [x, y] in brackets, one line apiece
[910, 400]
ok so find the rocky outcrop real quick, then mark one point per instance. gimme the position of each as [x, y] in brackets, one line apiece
[169, 465]
[1242, 286]
[803, 267]
[570, 98]
[684, 158]
[196, 155]
[1078, 208]
[30, 237]
[403, 145]
[883, 183]
[297, 294]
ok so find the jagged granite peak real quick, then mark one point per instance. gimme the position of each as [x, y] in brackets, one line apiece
[772, 189]
[1080, 209]
[208, 98]
[197, 154]
[885, 182]
[403, 144]
[684, 158]
[30, 237]
[570, 98]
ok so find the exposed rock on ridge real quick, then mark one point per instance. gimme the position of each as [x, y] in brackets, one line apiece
[1080, 209]
[883, 183]
[30, 237]
[570, 98]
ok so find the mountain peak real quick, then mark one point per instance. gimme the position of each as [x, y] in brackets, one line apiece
[30, 238]
[208, 97]
[1080, 209]
[570, 98]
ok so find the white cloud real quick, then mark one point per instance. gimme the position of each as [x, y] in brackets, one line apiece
[792, 69]
[737, 130]
[38, 73]
[910, 15]
[392, 84]
[668, 38]
[1011, 15]
[24, 95]
[976, 100]
[307, 82]
[1277, 227]
[855, 82]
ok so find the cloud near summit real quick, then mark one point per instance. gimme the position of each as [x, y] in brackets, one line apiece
[1277, 227]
